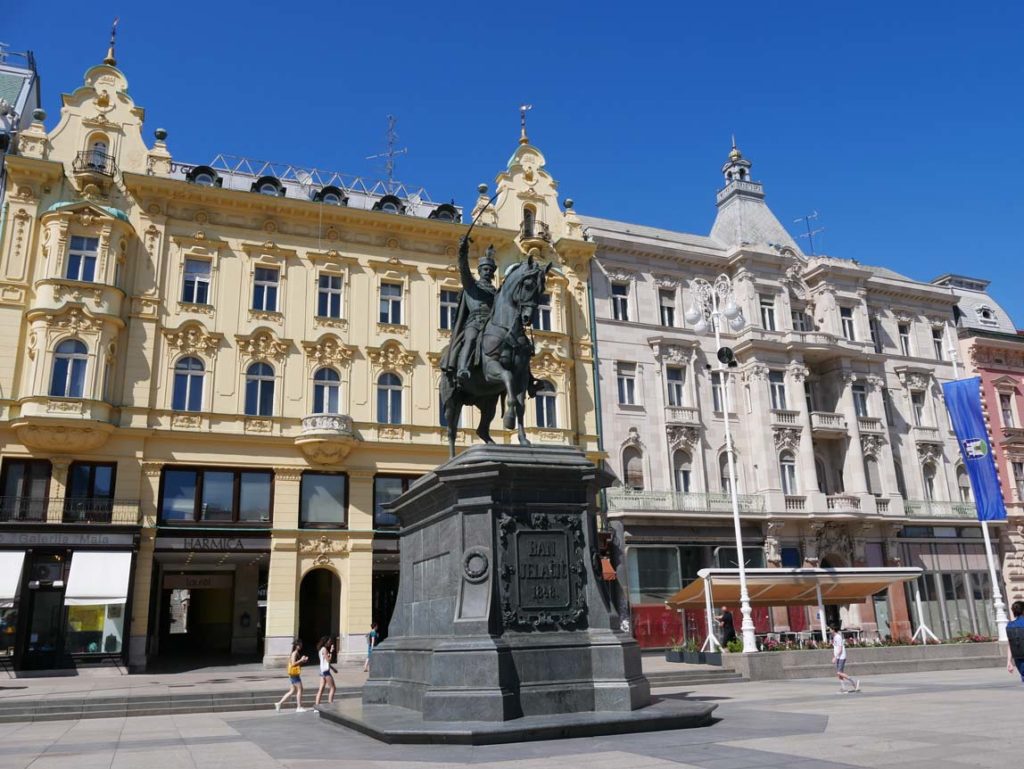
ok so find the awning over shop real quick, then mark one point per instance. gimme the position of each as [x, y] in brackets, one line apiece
[98, 578]
[11, 563]
[789, 587]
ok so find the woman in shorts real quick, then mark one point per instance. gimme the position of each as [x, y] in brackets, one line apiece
[295, 661]
[325, 649]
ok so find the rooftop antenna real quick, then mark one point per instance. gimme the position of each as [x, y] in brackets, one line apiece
[523, 109]
[813, 216]
[389, 154]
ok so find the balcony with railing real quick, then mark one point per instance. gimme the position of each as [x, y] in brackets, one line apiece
[870, 425]
[1013, 436]
[795, 504]
[826, 423]
[627, 500]
[930, 508]
[94, 162]
[92, 510]
[785, 417]
[326, 438]
[925, 433]
[682, 415]
[842, 503]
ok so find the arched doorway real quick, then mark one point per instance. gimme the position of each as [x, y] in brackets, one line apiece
[833, 618]
[319, 608]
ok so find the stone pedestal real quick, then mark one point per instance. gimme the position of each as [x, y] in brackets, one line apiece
[501, 613]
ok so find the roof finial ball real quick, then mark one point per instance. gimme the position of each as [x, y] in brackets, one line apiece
[39, 114]
[568, 203]
[482, 189]
[111, 60]
[160, 134]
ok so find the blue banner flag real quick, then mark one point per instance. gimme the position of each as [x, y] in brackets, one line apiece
[963, 399]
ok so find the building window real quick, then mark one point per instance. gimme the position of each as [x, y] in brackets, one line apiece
[388, 488]
[873, 477]
[633, 468]
[682, 471]
[887, 405]
[787, 473]
[259, 390]
[667, 303]
[860, 400]
[717, 393]
[1018, 479]
[904, 332]
[82, 259]
[69, 360]
[928, 474]
[90, 491]
[937, 343]
[846, 319]
[188, 385]
[391, 303]
[767, 312]
[545, 404]
[620, 301]
[917, 402]
[323, 500]
[810, 396]
[676, 376]
[626, 380]
[216, 496]
[801, 320]
[876, 334]
[654, 574]
[963, 484]
[264, 289]
[328, 301]
[26, 486]
[326, 392]
[777, 389]
[195, 288]
[723, 474]
[449, 309]
[542, 313]
[1006, 409]
[389, 399]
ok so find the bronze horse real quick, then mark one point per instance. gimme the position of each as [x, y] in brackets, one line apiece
[503, 369]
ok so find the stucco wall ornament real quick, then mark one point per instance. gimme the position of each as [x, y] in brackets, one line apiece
[391, 355]
[786, 438]
[929, 452]
[833, 539]
[327, 351]
[193, 339]
[871, 445]
[74, 320]
[323, 549]
[262, 345]
[680, 436]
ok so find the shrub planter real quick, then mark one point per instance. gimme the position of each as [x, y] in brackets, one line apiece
[693, 658]
[671, 655]
[712, 658]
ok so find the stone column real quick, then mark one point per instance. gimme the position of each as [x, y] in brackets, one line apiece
[357, 595]
[759, 443]
[854, 480]
[805, 456]
[143, 588]
[282, 578]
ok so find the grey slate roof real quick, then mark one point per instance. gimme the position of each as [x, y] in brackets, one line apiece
[640, 231]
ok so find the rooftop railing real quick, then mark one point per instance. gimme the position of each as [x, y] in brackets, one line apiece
[622, 499]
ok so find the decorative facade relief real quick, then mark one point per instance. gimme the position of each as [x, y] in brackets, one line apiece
[682, 436]
[871, 445]
[328, 351]
[262, 345]
[323, 549]
[193, 339]
[786, 438]
[391, 355]
[929, 452]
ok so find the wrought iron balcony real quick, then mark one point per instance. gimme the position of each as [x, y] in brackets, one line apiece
[930, 508]
[70, 510]
[623, 499]
[93, 162]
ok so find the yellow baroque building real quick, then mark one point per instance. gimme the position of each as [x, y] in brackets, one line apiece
[212, 378]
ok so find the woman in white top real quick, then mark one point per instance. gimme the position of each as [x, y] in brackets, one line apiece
[839, 659]
[325, 647]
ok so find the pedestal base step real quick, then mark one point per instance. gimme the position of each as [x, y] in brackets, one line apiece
[401, 726]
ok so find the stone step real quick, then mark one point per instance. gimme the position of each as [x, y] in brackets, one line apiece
[720, 676]
[881, 667]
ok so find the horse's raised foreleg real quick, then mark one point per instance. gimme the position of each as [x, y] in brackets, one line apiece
[487, 408]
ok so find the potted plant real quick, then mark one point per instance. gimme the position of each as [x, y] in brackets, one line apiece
[692, 653]
[674, 653]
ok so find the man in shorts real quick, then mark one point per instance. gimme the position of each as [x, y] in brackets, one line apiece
[839, 660]
[1015, 637]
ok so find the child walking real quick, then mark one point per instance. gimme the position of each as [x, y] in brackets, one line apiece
[325, 648]
[295, 661]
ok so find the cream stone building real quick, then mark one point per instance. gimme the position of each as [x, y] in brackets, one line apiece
[845, 452]
[213, 377]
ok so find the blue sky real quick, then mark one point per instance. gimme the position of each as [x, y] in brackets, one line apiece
[901, 123]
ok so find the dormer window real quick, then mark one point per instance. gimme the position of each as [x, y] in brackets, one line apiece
[204, 176]
[986, 315]
[268, 185]
[331, 195]
[389, 204]
[445, 212]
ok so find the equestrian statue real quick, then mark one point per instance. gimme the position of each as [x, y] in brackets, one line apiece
[489, 355]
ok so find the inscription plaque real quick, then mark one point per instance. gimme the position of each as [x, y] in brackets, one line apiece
[543, 569]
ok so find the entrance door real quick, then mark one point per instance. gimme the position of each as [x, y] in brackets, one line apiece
[44, 641]
[385, 595]
[196, 615]
[319, 608]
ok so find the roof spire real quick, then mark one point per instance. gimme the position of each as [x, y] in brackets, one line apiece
[735, 154]
[523, 108]
[110, 60]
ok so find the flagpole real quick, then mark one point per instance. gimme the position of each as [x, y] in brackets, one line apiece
[997, 596]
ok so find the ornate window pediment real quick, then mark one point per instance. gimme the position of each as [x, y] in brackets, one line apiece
[262, 344]
[391, 355]
[328, 350]
[193, 339]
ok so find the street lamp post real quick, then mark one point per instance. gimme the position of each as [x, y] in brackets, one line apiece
[711, 303]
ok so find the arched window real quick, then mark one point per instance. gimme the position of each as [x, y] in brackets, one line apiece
[723, 474]
[545, 401]
[188, 385]
[259, 390]
[99, 147]
[633, 468]
[326, 391]
[389, 399]
[68, 369]
[681, 470]
[874, 478]
[529, 217]
[928, 474]
[787, 473]
[901, 481]
[963, 485]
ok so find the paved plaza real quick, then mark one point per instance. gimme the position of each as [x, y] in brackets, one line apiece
[955, 719]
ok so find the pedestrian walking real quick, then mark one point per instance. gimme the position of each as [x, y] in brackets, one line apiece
[839, 660]
[325, 648]
[295, 662]
[727, 625]
[1015, 637]
[371, 641]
